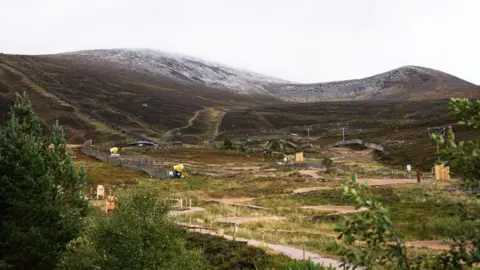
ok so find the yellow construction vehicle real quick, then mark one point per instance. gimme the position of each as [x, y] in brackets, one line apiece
[114, 152]
[177, 172]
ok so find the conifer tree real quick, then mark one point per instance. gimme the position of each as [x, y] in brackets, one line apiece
[41, 203]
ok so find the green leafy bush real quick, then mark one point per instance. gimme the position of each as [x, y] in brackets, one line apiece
[228, 144]
[138, 235]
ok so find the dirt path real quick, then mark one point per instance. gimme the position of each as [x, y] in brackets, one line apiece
[291, 252]
[240, 220]
[189, 211]
[312, 173]
[335, 208]
[246, 168]
[371, 182]
[71, 146]
[310, 189]
[428, 244]
[233, 202]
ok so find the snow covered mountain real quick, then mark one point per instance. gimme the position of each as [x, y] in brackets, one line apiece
[408, 82]
[182, 68]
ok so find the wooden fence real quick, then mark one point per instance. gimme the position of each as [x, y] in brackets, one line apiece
[152, 166]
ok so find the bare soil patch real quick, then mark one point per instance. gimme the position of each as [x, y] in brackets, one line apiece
[246, 168]
[335, 208]
[371, 182]
[239, 220]
[428, 244]
[312, 173]
[310, 189]
[387, 181]
[234, 200]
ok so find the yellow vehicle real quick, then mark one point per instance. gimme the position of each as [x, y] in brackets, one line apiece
[177, 172]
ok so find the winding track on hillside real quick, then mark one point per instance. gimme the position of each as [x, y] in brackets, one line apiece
[29, 82]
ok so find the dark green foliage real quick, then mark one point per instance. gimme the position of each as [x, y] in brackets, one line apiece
[241, 147]
[228, 144]
[327, 162]
[383, 245]
[306, 265]
[276, 146]
[385, 248]
[222, 254]
[138, 235]
[464, 156]
[42, 204]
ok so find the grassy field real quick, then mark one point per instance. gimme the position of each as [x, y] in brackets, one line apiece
[426, 211]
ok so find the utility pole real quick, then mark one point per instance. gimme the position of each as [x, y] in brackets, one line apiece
[438, 131]
[343, 127]
[308, 128]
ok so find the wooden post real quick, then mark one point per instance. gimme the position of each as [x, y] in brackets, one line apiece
[304, 251]
[235, 229]
[263, 238]
[180, 204]
[190, 203]
[190, 220]
[419, 176]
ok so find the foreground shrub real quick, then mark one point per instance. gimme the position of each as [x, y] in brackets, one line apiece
[138, 235]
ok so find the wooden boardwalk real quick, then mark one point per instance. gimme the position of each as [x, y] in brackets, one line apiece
[357, 142]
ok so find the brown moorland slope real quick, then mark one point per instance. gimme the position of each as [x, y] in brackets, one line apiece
[100, 101]
[399, 126]
[109, 102]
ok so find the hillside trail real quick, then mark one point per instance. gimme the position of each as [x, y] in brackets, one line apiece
[185, 212]
[29, 82]
[239, 202]
[291, 252]
[217, 117]
[370, 181]
[340, 209]
[240, 220]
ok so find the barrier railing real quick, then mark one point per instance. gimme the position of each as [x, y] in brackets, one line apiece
[152, 166]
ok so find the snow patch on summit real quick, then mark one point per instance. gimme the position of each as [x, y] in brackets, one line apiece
[184, 68]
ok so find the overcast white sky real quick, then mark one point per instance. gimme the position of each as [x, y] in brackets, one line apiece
[299, 40]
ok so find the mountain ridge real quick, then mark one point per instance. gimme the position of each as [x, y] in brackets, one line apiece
[184, 68]
[406, 82]
[421, 79]
[100, 99]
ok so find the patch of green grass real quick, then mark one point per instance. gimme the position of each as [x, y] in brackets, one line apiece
[418, 213]
[101, 173]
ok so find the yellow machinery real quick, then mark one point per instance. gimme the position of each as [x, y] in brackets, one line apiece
[177, 172]
[114, 152]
